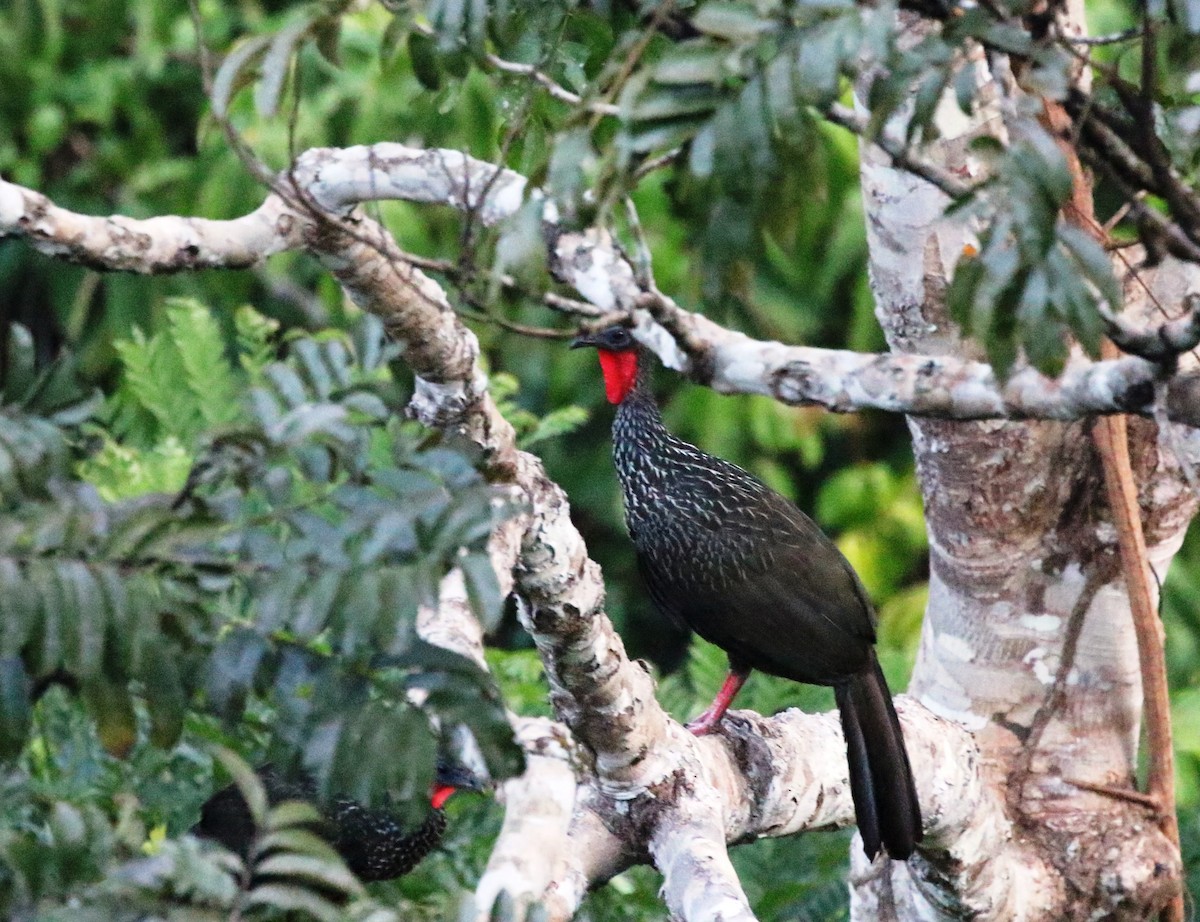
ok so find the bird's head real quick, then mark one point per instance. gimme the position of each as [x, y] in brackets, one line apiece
[450, 779]
[618, 352]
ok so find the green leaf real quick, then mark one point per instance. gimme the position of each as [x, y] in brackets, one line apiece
[696, 61]
[233, 72]
[277, 61]
[197, 337]
[17, 376]
[731, 21]
[294, 898]
[673, 102]
[562, 421]
[254, 335]
[925, 102]
[111, 706]
[327, 875]
[483, 589]
[820, 55]
[232, 669]
[403, 750]
[166, 701]
[296, 840]
[371, 345]
[287, 385]
[311, 607]
[400, 591]
[423, 53]
[449, 18]
[48, 639]
[288, 814]
[965, 87]
[313, 368]
[14, 706]
[87, 613]
[327, 35]
[20, 608]
[1093, 262]
[248, 783]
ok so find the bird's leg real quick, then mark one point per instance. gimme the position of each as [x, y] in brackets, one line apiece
[711, 717]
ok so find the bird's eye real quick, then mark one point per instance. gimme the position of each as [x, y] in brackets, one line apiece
[618, 337]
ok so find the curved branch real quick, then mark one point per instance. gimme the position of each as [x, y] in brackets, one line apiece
[730, 362]
[537, 812]
[699, 881]
[151, 246]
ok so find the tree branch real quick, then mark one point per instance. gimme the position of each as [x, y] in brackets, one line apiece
[699, 881]
[730, 362]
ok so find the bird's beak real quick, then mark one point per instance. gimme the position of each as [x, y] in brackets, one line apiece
[583, 339]
[459, 777]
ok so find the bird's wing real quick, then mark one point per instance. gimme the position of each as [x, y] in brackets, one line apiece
[770, 588]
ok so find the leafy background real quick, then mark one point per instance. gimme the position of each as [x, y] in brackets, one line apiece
[254, 397]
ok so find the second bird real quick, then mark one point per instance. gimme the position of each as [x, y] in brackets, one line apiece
[745, 569]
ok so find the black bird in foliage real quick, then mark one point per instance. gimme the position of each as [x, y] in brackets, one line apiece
[745, 569]
[375, 844]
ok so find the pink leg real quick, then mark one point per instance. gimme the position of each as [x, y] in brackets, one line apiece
[707, 721]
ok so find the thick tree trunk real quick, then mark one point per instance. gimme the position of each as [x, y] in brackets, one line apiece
[1028, 638]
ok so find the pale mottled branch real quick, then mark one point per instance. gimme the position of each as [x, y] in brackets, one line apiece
[337, 179]
[537, 813]
[150, 246]
[940, 386]
[699, 881]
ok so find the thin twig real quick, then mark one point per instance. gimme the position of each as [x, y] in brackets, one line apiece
[484, 316]
[1129, 794]
[1112, 38]
[660, 14]
[555, 89]
[1168, 234]
[1023, 765]
[1111, 437]
[644, 264]
[1117, 216]
[461, 275]
[901, 156]
[656, 163]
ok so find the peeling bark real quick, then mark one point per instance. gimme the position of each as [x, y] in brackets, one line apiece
[935, 382]
[1027, 640]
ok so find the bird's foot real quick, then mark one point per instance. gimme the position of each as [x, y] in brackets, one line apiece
[706, 722]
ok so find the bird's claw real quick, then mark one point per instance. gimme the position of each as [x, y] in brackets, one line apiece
[705, 723]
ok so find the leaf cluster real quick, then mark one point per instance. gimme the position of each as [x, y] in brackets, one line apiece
[283, 579]
[1036, 280]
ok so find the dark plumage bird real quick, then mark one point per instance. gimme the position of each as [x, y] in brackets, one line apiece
[741, 566]
[375, 844]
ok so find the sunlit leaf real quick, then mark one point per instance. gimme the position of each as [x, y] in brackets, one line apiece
[232, 74]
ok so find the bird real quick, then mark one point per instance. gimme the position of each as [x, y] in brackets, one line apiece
[741, 566]
[375, 844]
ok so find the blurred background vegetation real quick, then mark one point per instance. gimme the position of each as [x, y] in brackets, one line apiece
[103, 110]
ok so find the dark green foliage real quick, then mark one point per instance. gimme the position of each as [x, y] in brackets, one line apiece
[285, 575]
[1035, 280]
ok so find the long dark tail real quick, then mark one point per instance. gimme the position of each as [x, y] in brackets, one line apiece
[881, 780]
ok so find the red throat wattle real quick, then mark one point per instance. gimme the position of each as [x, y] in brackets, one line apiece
[441, 794]
[620, 373]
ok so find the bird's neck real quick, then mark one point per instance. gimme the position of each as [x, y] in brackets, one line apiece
[638, 429]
